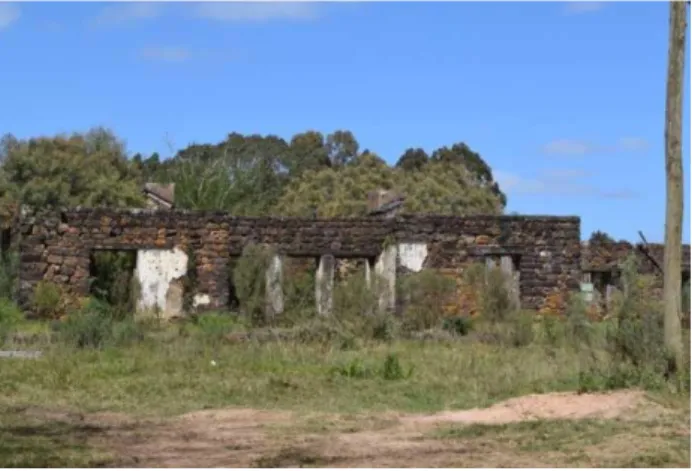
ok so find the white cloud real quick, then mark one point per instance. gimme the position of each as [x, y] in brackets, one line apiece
[568, 147]
[578, 8]
[562, 183]
[633, 144]
[257, 11]
[124, 13]
[166, 54]
[575, 147]
[9, 13]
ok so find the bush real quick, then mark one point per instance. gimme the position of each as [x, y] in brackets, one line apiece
[425, 294]
[392, 369]
[10, 317]
[94, 326]
[9, 268]
[354, 299]
[47, 300]
[114, 282]
[459, 325]
[497, 305]
[636, 333]
[250, 279]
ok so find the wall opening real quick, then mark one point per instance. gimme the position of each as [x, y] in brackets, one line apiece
[112, 280]
[299, 287]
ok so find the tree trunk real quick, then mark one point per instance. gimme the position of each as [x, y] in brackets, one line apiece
[672, 283]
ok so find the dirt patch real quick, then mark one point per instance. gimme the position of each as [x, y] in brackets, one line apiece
[253, 438]
[548, 406]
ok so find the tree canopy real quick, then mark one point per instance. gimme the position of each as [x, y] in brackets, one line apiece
[246, 175]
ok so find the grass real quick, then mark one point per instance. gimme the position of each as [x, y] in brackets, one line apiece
[178, 376]
[34, 442]
[585, 442]
[331, 388]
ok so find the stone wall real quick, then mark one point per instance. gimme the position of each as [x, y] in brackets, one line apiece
[56, 247]
[606, 257]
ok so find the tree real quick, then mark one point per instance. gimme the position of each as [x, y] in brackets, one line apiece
[244, 175]
[413, 159]
[600, 237]
[461, 154]
[342, 148]
[674, 196]
[441, 187]
[88, 169]
[308, 151]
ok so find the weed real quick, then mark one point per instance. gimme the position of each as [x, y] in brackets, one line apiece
[459, 325]
[425, 294]
[392, 369]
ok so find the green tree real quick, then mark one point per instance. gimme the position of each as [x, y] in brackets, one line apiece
[342, 148]
[461, 154]
[440, 187]
[308, 151]
[600, 237]
[413, 159]
[89, 169]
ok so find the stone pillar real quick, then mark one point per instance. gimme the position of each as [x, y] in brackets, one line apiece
[275, 294]
[385, 271]
[324, 285]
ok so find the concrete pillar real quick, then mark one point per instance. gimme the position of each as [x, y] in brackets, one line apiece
[275, 294]
[324, 285]
[368, 273]
[385, 271]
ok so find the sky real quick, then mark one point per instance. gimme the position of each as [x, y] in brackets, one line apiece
[565, 101]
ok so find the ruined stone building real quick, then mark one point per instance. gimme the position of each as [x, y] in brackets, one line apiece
[542, 255]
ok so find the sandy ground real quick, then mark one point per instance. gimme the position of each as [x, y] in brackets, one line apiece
[252, 438]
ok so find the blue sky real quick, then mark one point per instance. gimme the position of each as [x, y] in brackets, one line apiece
[565, 101]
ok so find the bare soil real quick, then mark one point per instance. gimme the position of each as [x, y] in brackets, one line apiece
[254, 438]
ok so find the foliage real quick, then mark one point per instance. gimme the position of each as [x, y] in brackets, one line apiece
[249, 279]
[426, 294]
[88, 169]
[10, 317]
[113, 281]
[47, 301]
[496, 300]
[459, 325]
[96, 325]
[9, 267]
[600, 237]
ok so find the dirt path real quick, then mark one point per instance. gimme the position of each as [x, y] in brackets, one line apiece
[247, 438]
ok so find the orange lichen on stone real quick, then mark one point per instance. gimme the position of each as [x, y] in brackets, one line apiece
[554, 304]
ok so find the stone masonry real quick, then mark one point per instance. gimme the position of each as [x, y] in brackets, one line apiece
[56, 247]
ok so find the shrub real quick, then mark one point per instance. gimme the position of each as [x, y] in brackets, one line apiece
[95, 326]
[10, 317]
[392, 369]
[249, 279]
[425, 295]
[47, 300]
[91, 327]
[299, 293]
[9, 268]
[459, 325]
[114, 282]
[497, 305]
[636, 335]
[354, 299]
[579, 329]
